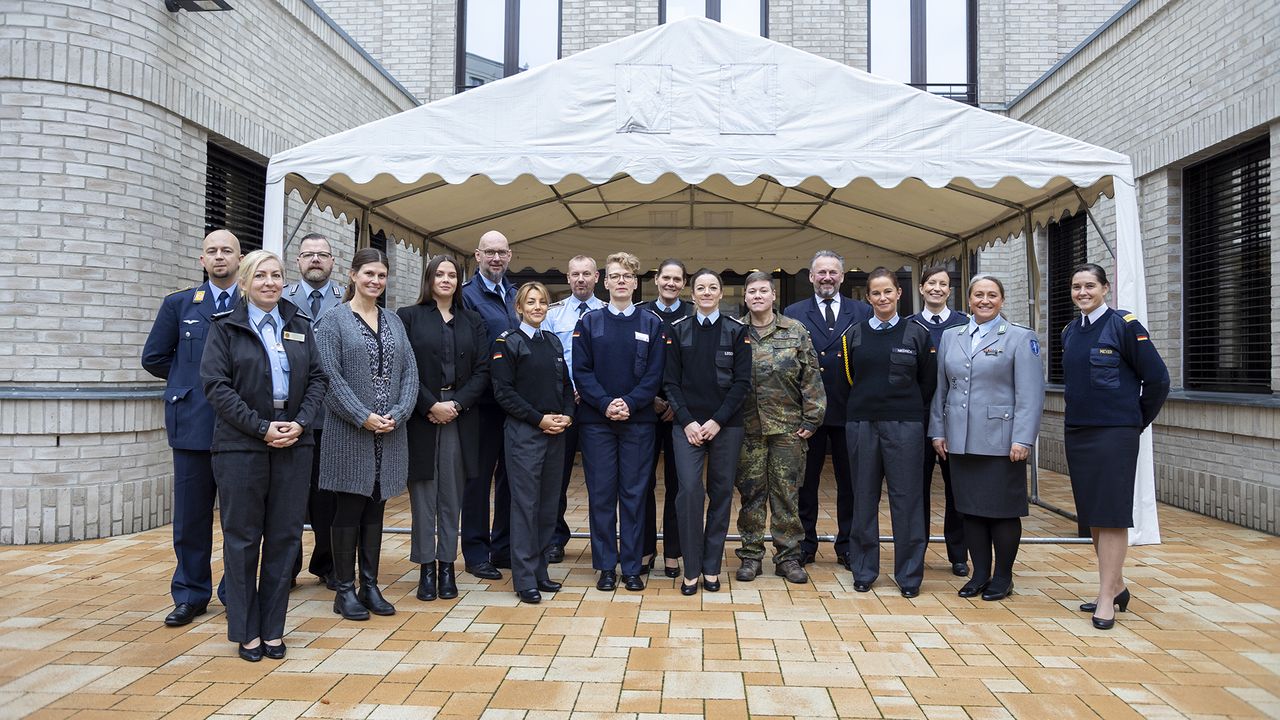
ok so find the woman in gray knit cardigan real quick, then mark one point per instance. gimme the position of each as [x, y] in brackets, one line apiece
[373, 386]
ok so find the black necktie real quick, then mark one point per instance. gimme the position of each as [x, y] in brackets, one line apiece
[937, 319]
[829, 314]
[706, 322]
[315, 304]
[222, 301]
[1085, 322]
[537, 335]
[582, 308]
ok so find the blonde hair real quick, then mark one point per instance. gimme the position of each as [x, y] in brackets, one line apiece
[523, 294]
[629, 262]
[250, 264]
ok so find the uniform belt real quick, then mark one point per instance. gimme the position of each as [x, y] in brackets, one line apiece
[279, 404]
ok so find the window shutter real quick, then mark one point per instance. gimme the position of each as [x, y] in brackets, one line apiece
[1068, 247]
[233, 196]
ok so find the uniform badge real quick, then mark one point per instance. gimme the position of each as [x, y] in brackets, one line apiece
[191, 322]
[199, 297]
[1142, 338]
[297, 337]
[1035, 347]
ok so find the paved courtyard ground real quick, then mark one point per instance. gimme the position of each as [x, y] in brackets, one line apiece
[81, 636]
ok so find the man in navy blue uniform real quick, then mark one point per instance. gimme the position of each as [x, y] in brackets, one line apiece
[494, 297]
[826, 316]
[172, 353]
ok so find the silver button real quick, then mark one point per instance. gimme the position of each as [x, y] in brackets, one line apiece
[1006, 416]
[963, 405]
[175, 399]
[188, 333]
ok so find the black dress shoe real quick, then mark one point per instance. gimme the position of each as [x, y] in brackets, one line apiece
[446, 581]
[549, 586]
[555, 554]
[183, 614]
[973, 588]
[860, 586]
[1103, 624]
[710, 585]
[910, 592]
[634, 583]
[671, 572]
[843, 560]
[808, 558]
[251, 654]
[608, 581]
[531, 596]
[485, 571]
[686, 589]
[1121, 600]
[998, 589]
[959, 569]
[275, 652]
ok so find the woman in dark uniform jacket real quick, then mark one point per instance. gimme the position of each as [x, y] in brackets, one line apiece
[531, 383]
[450, 346]
[1115, 384]
[263, 377]
[984, 420]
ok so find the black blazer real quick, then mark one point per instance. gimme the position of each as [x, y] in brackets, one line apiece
[827, 345]
[236, 374]
[424, 326]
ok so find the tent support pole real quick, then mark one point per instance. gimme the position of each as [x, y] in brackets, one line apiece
[875, 213]
[310, 204]
[363, 241]
[1096, 227]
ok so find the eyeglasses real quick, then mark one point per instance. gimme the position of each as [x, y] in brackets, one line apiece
[624, 277]
[495, 253]
[314, 255]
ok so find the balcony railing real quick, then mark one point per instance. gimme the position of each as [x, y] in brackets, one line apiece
[960, 92]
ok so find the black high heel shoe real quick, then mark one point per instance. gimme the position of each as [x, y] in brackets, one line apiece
[1121, 600]
[686, 589]
[671, 572]
[1103, 624]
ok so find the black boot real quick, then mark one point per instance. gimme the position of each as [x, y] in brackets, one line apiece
[427, 581]
[370, 553]
[343, 540]
[448, 583]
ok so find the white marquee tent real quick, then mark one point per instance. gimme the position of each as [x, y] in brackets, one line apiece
[725, 149]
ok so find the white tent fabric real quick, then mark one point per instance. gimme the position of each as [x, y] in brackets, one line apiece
[725, 149]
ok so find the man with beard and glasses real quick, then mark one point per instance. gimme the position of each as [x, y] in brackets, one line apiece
[316, 294]
[826, 316]
[172, 352]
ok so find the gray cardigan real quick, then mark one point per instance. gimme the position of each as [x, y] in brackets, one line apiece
[346, 447]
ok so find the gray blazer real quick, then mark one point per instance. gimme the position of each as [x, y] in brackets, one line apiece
[991, 397]
[346, 448]
[300, 295]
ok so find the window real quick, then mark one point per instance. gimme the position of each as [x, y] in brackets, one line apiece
[234, 189]
[928, 44]
[1068, 247]
[499, 38]
[749, 16]
[1226, 271]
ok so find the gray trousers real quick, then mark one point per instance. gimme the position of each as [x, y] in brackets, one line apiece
[535, 461]
[702, 537]
[892, 452]
[436, 502]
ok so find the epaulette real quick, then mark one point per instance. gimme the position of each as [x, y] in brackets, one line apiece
[652, 312]
[730, 318]
[302, 313]
[677, 321]
[916, 319]
[502, 336]
[1020, 325]
[175, 292]
[558, 303]
[1128, 316]
[1064, 327]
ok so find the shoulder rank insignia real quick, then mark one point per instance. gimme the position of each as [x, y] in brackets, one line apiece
[1001, 330]
[199, 297]
[1130, 317]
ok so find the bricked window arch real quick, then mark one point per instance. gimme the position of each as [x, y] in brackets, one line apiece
[234, 191]
[1226, 273]
[751, 16]
[498, 38]
[1068, 247]
[928, 44]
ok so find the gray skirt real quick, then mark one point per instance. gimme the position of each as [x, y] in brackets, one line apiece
[989, 485]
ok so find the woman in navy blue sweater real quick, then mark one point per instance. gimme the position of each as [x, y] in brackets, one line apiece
[1115, 384]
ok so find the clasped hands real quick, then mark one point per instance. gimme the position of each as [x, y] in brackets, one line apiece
[699, 433]
[618, 410]
[555, 424]
[379, 424]
[443, 413]
[282, 434]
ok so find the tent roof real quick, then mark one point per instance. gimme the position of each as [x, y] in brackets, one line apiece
[692, 139]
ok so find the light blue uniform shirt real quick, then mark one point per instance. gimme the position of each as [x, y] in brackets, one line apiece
[978, 332]
[714, 316]
[877, 322]
[624, 313]
[563, 317]
[275, 348]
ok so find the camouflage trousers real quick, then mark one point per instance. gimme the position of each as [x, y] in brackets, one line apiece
[770, 470]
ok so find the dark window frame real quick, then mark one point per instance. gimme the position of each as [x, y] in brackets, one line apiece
[1226, 276]
[967, 94]
[235, 189]
[1068, 247]
[511, 42]
[713, 12]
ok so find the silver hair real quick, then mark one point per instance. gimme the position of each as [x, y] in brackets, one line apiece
[826, 254]
[986, 276]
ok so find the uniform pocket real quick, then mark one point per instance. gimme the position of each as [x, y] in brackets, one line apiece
[173, 396]
[1000, 424]
[192, 341]
[902, 368]
[1104, 368]
[724, 368]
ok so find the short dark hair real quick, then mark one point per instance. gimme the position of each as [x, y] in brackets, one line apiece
[883, 272]
[425, 296]
[934, 270]
[757, 276]
[705, 271]
[674, 261]
[365, 256]
[1093, 269]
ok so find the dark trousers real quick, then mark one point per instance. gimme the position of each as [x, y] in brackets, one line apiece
[262, 501]
[194, 490]
[704, 535]
[562, 533]
[952, 520]
[888, 452]
[671, 487]
[616, 458]
[829, 439]
[535, 488]
[320, 516]
[479, 543]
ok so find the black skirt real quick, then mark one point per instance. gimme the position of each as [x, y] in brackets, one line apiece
[1103, 462]
[989, 485]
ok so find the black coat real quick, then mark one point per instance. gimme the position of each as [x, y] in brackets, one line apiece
[424, 325]
[236, 374]
[827, 345]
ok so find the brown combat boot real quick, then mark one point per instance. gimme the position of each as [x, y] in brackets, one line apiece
[791, 570]
[749, 571]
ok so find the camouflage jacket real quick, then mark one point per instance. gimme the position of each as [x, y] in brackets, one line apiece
[786, 381]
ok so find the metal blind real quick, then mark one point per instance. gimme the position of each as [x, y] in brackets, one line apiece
[1068, 247]
[1226, 271]
[234, 189]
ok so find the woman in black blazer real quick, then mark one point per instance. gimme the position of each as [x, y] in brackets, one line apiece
[262, 374]
[450, 345]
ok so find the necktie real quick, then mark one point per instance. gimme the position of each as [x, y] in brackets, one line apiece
[829, 314]
[222, 301]
[582, 308]
[973, 340]
[1084, 323]
[884, 325]
[937, 319]
[315, 304]
[537, 335]
[268, 329]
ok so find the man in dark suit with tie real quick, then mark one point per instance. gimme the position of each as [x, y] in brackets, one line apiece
[827, 315]
[316, 294]
[172, 352]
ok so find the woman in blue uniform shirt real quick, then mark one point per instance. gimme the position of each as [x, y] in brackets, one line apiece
[1115, 384]
[263, 378]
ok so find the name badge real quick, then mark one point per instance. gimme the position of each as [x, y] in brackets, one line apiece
[296, 337]
[642, 337]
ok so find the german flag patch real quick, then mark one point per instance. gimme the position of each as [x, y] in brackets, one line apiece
[1143, 338]
[497, 356]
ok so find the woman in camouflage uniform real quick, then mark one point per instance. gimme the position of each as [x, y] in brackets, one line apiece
[785, 407]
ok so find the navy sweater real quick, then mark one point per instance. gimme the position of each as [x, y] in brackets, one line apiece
[894, 371]
[618, 357]
[1113, 375]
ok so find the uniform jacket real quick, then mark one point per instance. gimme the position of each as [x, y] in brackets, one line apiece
[645, 373]
[684, 309]
[347, 461]
[1125, 382]
[992, 397]
[299, 294]
[911, 362]
[498, 315]
[827, 345]
[172, 352]
[786, 382]
[562, 318]
[237, 378]
[509, 352]
[733, 367]
[424, 326]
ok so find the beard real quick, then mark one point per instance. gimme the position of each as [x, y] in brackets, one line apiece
[826, 291]
[316, 276]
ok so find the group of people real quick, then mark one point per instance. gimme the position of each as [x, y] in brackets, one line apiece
[307, 402]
